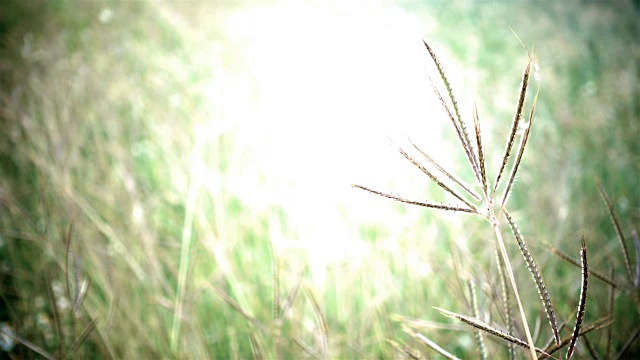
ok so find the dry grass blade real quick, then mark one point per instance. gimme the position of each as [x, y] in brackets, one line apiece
[523, 144]
[537, 277]
[514, 285]
[597, 325]
[83, 336]
[56, 314]
[82, 294]
[405, 350]
[476, 314]
[322, 321]
[515, 123]
[238, 308]
[431, 344]
[488, 329]
[31, 346]
[306, 348]
[506, 303]
[275, 269]
[67, 254]
[612, 292]
[583, 299]
[256, 349]
[616, 224]
[435, 178]
[461, 130]
[451, 177]
[636, 244]
[606, 279]
[419, 203]
[293, 292]
[481, 160]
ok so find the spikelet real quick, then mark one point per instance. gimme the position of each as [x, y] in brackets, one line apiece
[478, 324]
[616, 224]
[523, 144]
[583, 299]
[537, 277]
[419, 203]
[435, 178]
[456, 120]
[515, 123]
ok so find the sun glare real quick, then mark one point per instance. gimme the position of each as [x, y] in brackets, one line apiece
[317, 93]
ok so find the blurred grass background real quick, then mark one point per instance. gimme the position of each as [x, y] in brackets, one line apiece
[227, 134]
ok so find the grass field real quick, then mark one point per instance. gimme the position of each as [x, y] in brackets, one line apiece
[175, 177]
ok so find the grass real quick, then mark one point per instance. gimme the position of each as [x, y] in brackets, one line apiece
[486, 208]
[143, 154]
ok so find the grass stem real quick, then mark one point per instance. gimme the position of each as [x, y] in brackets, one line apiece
[507, 263]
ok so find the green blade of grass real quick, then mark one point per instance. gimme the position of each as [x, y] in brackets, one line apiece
[186, 242]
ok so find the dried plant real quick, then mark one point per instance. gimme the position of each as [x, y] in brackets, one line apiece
[628, 288]
[491, 206]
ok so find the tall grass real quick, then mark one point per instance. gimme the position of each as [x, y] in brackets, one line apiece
[144, 214]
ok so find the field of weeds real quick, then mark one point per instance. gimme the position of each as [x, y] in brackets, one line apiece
[176, 179]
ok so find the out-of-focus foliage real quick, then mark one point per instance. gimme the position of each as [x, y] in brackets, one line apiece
[112, 113]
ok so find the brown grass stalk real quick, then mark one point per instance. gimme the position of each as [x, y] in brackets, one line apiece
[514, 286]
[523, 144]
[616, 224]
[583, 298]
[536, 275]
[435, 178]
[419, 203]
[514, 124]
[478, 324]
[458, 124]
[481, 159]
[450, 176]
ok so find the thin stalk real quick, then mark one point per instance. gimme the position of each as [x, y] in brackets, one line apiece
[451, 177]
[185, 247]
[458, 124]
[476, 314]
[435, 178]
[506, 302]
[419, 203]
[616, 224]
[514, 125]
[507, 262]
[432, 344]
